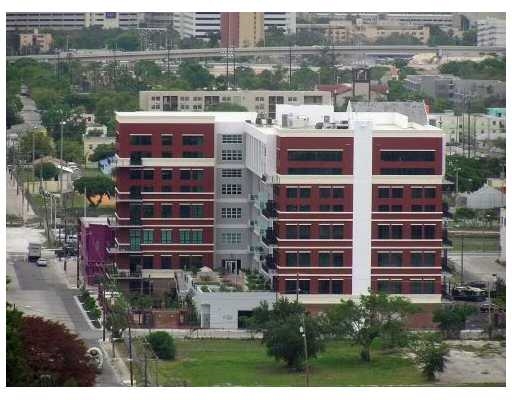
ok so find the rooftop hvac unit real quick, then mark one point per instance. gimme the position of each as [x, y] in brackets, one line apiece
[319, 125]
[269, 121]
[258, 121]
[342, 125]
[327, 119]
[248, 121]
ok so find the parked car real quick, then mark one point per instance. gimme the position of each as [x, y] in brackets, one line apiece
[468, 293]
[42, 262]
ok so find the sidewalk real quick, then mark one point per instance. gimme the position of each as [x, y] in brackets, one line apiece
[118, 363]
[16, 203]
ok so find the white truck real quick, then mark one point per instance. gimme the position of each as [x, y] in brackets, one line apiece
[34, 251]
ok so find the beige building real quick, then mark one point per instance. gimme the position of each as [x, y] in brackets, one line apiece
[261, 101]
[39, 42]
[242, 29]
[340, 32]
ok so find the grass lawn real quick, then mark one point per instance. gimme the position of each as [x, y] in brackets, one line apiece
[245, 363]
[476, 243]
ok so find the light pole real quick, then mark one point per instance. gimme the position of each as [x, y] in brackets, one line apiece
[494, 278]
[462, 259]
[302, 330]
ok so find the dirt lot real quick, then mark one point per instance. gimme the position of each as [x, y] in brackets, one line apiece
[474, 362]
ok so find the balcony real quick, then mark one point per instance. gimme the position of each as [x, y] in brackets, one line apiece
[270, 209]
[124, 249]
[269, 263]
[269, 238]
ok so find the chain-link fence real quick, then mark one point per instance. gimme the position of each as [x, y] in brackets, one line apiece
[146, 364]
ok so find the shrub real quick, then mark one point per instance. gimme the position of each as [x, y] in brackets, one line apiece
[431, 354]
[163, 345]
[452, 318]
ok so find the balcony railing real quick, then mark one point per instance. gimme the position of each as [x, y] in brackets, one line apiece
[270, 237]
[270, 209]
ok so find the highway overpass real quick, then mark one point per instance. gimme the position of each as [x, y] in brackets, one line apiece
[375, 51]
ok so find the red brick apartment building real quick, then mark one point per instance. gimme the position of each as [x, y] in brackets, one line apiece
[325, 204]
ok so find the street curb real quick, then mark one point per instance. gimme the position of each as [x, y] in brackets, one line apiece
[85, 315]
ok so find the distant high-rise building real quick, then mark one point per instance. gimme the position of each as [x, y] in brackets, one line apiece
[491, 32]
[245, 29]
[202, 25]
[70, 21]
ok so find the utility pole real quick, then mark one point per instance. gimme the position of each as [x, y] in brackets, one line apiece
[130, 348]
[78, 257]
[306, 364]
[290, 67]
[462, 259]
[297, 288]
[33, 156]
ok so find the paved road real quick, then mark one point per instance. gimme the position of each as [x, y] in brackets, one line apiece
[479, 266]
[45, 292]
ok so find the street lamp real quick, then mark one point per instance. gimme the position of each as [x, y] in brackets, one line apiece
[302, 330]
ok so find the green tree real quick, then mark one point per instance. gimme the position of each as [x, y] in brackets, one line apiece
[47, 169]
[430, 353]
[162, 344]
[73, 150]
[195, 74]
[94, 186]
[116, 320]
[147, 71]
[282, 335]
[43, 144]
[275, 37]
[452, 318]
[439, 37]
[398, 39]
[17, 371]
[372, 317]
[304, 78]
[102, 151]
[127, 40]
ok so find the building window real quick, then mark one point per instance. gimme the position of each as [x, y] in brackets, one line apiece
[193, 140]
[191, 236]
[304, 193]
[231, 173]
[192, 154]
[231, 237]
[304, 259]
[318, 155]
[291, 207]
[231, 213]
[396, 208]
[166, 262]
[315, 171]
[148, 211]
[194, 174]
[397, 193]
[407, 171]
[337, 286]
[191, 211]
[383, 207]
[396, 231]
[148, 174]
[166, 140]
[384, 192]
[166, 236]
[135, 174]
[291, 192]
[324, 286]
[166, 174]
[231, 188]
[304, 232]
[389, 259]
[140, 140]
[231, 155]
[324, 259]
[429, 193]
[147, 236]
[290, 286]
[231, 138]
[166, 210]
[147, 262]
[389, 287]
[291, 259]
[166, 154]
[383, 232]
[291, 231]
[324, 192]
